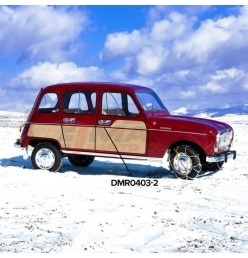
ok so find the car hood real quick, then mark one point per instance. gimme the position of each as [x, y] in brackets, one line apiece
[192, 124]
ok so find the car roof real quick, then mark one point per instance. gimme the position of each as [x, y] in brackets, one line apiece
[94, 85]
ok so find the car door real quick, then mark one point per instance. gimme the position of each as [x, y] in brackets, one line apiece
[121, 128]
[78, 119]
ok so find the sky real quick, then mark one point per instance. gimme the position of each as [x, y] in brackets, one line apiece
[193, 56]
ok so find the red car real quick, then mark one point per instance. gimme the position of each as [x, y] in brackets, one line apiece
[88, 119]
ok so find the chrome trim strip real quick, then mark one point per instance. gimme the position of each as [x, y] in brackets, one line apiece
[60, 124]
[35, 123]
[110, 155]
[165, 128]
[174, 131]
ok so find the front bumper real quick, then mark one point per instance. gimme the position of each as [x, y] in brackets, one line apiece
[221, 157]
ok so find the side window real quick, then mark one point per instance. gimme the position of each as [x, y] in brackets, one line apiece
[118, 104]
[79, 102]
[132, 108]
[49, 103]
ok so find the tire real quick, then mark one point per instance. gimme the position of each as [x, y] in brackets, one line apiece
[81, 160]
[46, 156]
[216, 166]
[185, 162]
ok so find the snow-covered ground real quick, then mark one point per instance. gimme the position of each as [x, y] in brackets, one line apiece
[77, 210]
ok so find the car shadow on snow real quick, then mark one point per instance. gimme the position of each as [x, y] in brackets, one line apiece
[105, 167]
[98, 167]
[16, 161]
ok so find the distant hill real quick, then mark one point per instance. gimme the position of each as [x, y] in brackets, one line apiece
[12, 119]
[213, 112]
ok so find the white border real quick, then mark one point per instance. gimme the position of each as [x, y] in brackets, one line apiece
[124, 2]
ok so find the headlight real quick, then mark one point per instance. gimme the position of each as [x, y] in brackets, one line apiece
[224, 140]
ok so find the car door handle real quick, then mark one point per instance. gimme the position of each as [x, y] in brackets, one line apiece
[69, 120]
[104, 122]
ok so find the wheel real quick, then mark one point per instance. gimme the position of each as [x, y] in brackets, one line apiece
[81, 160]
[212, 166]
[185, 162]
[46, 156]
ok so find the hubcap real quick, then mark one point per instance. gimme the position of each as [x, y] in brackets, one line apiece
[182, 164]
[45, 159]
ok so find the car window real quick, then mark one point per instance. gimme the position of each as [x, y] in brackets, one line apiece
[118, 104]
[150, 101]
[79, 102]
[49, 103]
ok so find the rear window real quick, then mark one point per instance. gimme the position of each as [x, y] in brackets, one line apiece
[49, 103]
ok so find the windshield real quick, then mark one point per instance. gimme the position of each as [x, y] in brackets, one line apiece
[150, 101]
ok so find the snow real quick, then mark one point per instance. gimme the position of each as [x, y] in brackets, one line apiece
[77, 210]
[180, 111]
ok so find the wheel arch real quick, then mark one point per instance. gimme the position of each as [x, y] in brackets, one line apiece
[35, 142]
[195, 146]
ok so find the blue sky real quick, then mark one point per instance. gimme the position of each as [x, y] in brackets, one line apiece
[192, 56]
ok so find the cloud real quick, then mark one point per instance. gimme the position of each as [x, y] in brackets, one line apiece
[150, 46]
[179, 40]
[187, 94]
[173, 27]
[185, 57]
[202, 42]
[199, 88]
[150, 59]
[40, 32]
[245, 86]
[223, 81]
[122, 43]
[213, 87]
[21, 91]
[188, 59]
[230, 73]
[50, 73]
